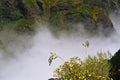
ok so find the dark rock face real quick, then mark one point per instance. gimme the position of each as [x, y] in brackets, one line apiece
[22, 8]
[40, 4]
[115, 66]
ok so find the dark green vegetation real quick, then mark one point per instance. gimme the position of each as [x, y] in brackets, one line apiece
[115, 66]
[21, 14]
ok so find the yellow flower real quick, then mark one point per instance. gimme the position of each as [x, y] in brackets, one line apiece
[99, 77]
[89, 75]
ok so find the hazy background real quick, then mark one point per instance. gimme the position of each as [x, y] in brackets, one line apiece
[25, 57]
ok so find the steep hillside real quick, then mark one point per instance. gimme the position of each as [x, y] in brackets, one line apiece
[93, 14]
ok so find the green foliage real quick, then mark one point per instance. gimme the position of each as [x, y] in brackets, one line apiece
[3, 21]
[30, 3]
[52, 57]
[93, 68]
[50, 3]
[47, 4]
[86, 44]
[57, 19]
[77, 9]
[89, 10]
[98, 64]
[21, 25]
[24, 24]
[32, 8]
[9, 10]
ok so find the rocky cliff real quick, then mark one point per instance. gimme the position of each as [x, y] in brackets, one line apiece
[94, 14]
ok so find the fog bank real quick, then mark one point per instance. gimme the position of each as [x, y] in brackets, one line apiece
[25, 57]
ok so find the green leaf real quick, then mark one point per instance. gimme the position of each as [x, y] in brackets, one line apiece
[52, 57]
[86, 44]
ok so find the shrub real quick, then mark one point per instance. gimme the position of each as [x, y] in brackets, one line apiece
[92, 68]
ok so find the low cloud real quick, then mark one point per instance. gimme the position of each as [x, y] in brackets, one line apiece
[25, 57]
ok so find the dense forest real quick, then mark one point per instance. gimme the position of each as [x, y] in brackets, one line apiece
[21, 15]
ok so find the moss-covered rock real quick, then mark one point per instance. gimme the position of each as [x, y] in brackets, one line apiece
[93, 17]
[92, 13]
[17, 14]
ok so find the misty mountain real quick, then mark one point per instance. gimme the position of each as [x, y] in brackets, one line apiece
[93, 14]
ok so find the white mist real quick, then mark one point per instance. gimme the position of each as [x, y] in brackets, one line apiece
[28, 55]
